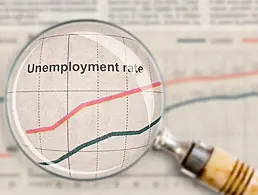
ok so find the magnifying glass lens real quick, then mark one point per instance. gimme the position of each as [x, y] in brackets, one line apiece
[84, 99]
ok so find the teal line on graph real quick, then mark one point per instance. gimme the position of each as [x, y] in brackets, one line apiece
[1, 99]
[211, 98]
[100, 139]
[169, 108]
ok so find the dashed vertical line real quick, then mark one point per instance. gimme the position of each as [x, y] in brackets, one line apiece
[151, 78]
[39, 87]
[67, 106]
[126, 107]
[97, 114]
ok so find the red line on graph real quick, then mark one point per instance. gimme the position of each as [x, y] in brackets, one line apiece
[250, 40]
[211, 78]
[5, 155]
[137, 90]
[91, 103]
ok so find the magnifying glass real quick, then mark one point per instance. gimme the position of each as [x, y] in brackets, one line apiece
[85, 100]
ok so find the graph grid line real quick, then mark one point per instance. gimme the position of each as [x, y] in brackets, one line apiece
[67, 105]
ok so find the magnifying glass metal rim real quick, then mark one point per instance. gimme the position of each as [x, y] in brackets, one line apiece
[35, 38]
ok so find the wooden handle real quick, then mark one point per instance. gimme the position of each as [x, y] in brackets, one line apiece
[228, 175]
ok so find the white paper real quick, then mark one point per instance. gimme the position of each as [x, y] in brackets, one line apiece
[191, 39]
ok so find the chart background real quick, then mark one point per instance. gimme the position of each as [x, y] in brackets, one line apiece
[229, 124]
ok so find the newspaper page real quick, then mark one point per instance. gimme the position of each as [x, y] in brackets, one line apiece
[189, 39]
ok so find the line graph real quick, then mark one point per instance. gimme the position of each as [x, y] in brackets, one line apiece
[206, 98]
[192, 102]
[106, 68]
[168, 108]
[137, 90]
[102, 138]
[91, 103]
